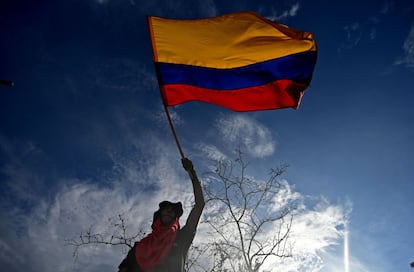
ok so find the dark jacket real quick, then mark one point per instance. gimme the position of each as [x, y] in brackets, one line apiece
[175, 259]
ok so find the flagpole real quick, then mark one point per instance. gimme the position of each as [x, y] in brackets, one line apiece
[173, 131]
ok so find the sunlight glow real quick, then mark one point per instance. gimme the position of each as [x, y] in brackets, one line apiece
[346, 250]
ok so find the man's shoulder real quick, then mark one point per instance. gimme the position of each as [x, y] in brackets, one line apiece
[185, 231]
[185, 236]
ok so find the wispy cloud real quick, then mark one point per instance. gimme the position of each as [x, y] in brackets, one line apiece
[142, 177]
[144, 171]
[408, 48]
[387, 6]
[20, 183]
[212, 152]
[136, 188]
[249, 134]
[278, 15]
[323, 218]
[353, 35]
[358, 31]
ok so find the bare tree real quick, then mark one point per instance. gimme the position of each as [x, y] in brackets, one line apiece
[119, 237]
[244, 210]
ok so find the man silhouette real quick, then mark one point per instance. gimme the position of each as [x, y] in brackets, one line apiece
[166, 247]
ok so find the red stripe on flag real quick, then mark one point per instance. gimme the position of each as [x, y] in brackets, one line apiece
[275, 95]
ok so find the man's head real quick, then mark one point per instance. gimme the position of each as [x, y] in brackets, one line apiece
[168, 212]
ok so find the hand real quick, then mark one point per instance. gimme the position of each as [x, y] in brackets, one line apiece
[187, 164]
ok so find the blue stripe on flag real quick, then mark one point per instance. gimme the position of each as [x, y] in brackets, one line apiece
[298, 68]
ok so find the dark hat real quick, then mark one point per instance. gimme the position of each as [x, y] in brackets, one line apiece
[178, 208]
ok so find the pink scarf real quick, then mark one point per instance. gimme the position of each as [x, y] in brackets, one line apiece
[152, 249]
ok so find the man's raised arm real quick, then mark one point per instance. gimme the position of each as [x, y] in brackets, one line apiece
[195, 214]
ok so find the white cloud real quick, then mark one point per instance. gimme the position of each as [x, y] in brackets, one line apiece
[42, 244]
[141, 178]
[308, 226]
[143, 175]
[80, 204]
[239, 130]
[315, 231]
[280, 16]
[285, 196]
[212, 152]
[73, 210]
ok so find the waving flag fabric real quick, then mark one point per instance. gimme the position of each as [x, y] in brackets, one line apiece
[240, 61]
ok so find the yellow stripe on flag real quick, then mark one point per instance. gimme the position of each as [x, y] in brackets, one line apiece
[226, 41]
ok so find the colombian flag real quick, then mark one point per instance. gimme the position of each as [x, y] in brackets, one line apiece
[240, 61]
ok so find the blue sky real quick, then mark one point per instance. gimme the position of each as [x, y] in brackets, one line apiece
[83, 136]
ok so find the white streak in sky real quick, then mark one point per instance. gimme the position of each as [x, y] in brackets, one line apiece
[346, 250]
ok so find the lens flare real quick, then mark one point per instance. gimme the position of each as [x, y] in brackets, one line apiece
[346, 250]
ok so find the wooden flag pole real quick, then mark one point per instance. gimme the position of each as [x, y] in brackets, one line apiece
[173, 132]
